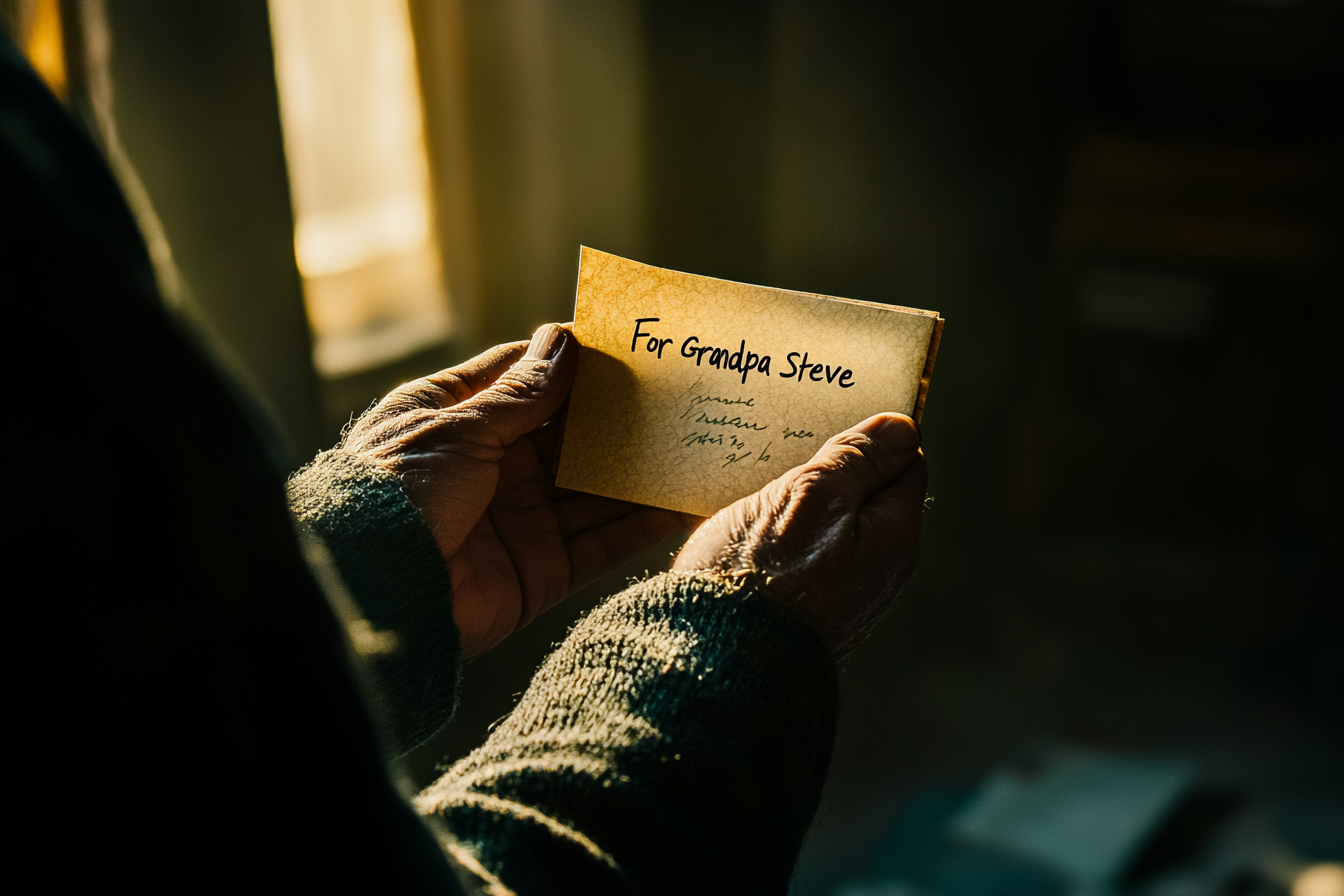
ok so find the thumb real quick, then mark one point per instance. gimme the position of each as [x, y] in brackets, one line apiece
[529, 392]
[866, 458]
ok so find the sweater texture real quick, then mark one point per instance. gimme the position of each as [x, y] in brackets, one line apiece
[192, 674]
[676, 741]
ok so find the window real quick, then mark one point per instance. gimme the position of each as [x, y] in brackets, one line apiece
[354, 137]
[37, 30]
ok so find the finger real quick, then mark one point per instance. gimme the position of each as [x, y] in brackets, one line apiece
[450, 386]
[484, 616]
[528, 531]
[865, 458]
[903, 497]
[598, 551]
[461, 382]
[527, 393]
[888, 524]
[546, 440]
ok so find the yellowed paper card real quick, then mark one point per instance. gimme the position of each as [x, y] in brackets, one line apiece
[692, 392]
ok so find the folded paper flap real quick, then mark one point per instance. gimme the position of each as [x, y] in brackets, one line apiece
[692, 392]
[928, 370]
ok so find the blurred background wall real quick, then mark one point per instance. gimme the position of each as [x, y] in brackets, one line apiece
[1128, 211]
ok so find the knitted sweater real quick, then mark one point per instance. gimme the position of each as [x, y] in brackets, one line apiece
[675, 742]
[186, 712]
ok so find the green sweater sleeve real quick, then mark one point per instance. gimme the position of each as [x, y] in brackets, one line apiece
[391, 566]
[676, 742]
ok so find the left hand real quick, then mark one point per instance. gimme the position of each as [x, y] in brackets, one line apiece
[835, 538]
[474, 454]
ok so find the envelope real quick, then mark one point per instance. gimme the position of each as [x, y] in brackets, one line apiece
[692, 392]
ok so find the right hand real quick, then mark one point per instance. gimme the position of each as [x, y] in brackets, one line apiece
[835, 538]
[474, 453]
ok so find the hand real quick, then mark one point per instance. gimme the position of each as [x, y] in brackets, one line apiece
[474, 453]
[835, 538]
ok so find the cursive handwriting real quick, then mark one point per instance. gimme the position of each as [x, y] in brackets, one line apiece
[738, 450]
[734, 458]
[725, 420]
[697, 415]
[711, 438]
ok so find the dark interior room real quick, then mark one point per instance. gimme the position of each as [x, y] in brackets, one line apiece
[1127, 211]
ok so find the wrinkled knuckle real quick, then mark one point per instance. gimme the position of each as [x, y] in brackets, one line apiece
[846, 459]
[851, 439]
[520, 385]
[848, 441]
[415, 394]
[858, 453]
[814, 491]
[809, 479]
[452, 387]
[394, 436]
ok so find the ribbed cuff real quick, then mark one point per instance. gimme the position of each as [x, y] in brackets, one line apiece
[392, 567]
[678, 738]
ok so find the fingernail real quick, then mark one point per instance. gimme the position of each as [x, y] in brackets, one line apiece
[546, 343]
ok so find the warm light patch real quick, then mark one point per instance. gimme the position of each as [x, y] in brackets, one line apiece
[1320, 880]
[43, 45]
[363, 236]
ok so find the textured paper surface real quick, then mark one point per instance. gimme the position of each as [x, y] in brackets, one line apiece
[675, 431]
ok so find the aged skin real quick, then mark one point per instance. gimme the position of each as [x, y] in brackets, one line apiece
[474, 452]
[835, 538]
